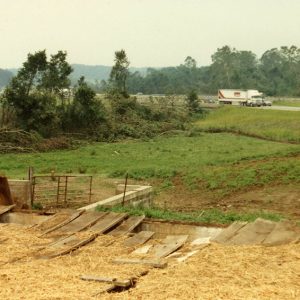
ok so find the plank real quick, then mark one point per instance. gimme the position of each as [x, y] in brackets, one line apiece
[78, 243]
[127, 226]
[156, 263]
[284, 232]
[54, 220]
[109, 221]
[229, 232]
[63, 241]
[75, 215]
[252, 233]
[170, 244]
[5, 208]
[138, 239]
[84, 221]
[115, 281]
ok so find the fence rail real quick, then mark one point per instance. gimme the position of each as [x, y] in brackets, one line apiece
[61, 190]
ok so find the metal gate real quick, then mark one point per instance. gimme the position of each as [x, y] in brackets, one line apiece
[61, 190]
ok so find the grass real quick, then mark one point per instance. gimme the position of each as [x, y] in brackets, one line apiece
[211, 216]
[158, 158]
[269, 124]
[216, 164]
[293, 103]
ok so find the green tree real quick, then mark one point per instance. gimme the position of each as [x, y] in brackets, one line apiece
[280, 69]
[119, 73]
[231, 68]
[56, 76]
[32, 92]
[192, 102]
[190, 62]
[87, 112]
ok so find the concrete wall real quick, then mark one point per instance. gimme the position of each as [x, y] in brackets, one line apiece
[162, 229]
[20, 191]
[140, 195]
[22, 218]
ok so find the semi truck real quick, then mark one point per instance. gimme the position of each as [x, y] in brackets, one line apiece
[242, 97]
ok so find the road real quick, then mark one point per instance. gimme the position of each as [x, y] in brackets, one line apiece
[277, 107]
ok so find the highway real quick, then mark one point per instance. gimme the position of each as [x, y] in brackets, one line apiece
[277, 107]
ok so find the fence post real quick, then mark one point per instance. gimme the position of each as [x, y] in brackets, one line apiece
[31, 185]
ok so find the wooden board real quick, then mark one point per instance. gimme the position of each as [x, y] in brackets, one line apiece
[106, 223]
[170, 244]
[156, 263]
[253, 233]
[84, 221]
[54, 220]
[284, 232]
[127, 226]
[5, 208]
[64, 241]
[75, 215]
[228, 233]
[115, 281]
[75, 245]
[138, 239]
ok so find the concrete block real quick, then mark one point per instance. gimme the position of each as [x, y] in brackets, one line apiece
[20, 191]
[140, 195]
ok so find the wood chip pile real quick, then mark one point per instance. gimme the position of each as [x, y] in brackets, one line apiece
[214, 272]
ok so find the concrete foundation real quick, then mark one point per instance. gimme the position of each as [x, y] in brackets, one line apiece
[20, 191]
[22, 218]
[162, 229]
[138, 195]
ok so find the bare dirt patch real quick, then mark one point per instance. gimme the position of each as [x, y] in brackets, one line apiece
[282, 199]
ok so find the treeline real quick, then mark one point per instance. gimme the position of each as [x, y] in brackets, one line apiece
[276, 73]
[39, 100]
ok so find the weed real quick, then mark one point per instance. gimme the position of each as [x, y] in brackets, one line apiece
[211, 216]
[37, 206]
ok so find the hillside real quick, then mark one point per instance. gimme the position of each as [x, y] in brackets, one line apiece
[5, 77]
[92, 73]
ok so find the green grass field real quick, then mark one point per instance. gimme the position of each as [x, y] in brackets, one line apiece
[219, 163]
[269, 124]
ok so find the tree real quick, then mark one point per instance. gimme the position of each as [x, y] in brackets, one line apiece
[190, 62]
[32, 92]
[233, 69]
[192, 103]
[56, 75]
[120, 73]
[280, 69]
[86, 112]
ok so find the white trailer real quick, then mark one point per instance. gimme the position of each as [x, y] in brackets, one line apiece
[241, 97]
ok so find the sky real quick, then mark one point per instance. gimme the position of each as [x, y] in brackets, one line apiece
[154, 33]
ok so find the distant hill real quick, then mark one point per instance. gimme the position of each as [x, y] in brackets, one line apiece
[92, 73]
[5, 77]
[96, 72]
